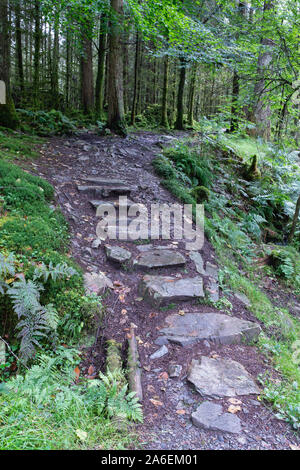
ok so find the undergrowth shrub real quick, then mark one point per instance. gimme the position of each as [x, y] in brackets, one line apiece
[46, 123]
[47, 409]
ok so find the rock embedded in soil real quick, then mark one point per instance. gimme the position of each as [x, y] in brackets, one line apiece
[219, 328]
[159, 290]
[210, 416]
[242, 298]
[198, 260]
[218, 378]
[117, 254]
[103, 191]
[159, 259]
[104, 181]
[160, 353]
[97, 283]
[174, 370]
[212, 290]
[212, 270]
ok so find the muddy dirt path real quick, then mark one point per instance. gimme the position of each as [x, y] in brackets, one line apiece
[168, 401]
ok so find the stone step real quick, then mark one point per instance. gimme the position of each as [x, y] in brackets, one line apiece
[159, 259]
[104, 181]
[102, 191]
[195, 327]
[97, 203]
[117, 254]
[159, 290]
[210, 416]
[218, 378]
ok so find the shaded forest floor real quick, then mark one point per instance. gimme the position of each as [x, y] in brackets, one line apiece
[167, 424]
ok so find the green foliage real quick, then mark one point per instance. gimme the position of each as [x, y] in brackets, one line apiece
[45, 123]
[200, 193]
[35, 321]
[286, 263]
[187, 160]
[17, 145]
[45, 409]
[164, 168]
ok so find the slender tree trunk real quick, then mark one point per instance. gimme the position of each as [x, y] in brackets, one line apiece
[101, 68]
[295, 221]
[136, 79]
[87, 82]
[262, 110]
[164, 107]
[37, 47]
[116, 117]
[234, 102]
[8, 117]
[55, 64]
[19, 54]
[68, 66]
[179, 121]
[192, 96]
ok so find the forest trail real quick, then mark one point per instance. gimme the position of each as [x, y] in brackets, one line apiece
[169, 397]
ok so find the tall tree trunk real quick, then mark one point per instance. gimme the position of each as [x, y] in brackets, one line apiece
[55, 64]
[19, 54]
[295, 221]
[68, 66]
[179, 121]
[192, 95]
[37, 47]
[262, 110]
[116, 117]
[87, 82]
[164, 107]
[234, 102]
[136, 79]
[8, 117]
[101, 68]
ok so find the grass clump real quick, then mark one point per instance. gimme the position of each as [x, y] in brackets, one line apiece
[49, 408]
[17, 145]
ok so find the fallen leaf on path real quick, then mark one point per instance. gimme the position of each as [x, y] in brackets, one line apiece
[180, 412]
[235, 401]
[234, 409]
[163, 376]
[156, 402]
[77, 372]
[91, 370]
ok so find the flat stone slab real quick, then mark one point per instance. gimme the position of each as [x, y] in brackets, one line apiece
[210, 416]
[219, 328]
[198, 260]
[165, 289]
[212, 270]
[212, 290]
[160, 353]
[103, 191]
[217, 378]
[242, 298]
[104, 181]
[103, 204]
[150, 247]
[159, 259]
[117, 254]
[97, 283]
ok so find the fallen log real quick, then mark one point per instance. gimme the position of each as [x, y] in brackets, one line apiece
[134, 369]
